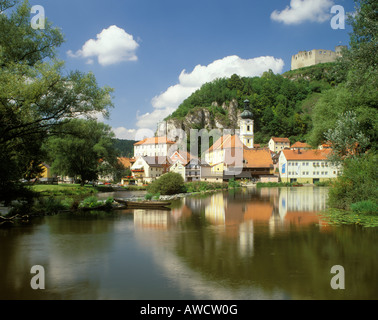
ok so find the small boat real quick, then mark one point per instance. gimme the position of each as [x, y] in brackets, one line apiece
[143, 204]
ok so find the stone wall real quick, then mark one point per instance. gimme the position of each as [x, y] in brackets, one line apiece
[310, 58]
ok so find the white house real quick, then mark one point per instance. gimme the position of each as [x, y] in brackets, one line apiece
[148, 169]
[278, 144]
[153, 147]
[308, 166]
[186, 165]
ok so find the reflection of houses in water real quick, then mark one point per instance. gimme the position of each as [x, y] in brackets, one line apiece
[276, 208]
[152, 219]
[215, 211]
[299, 201]
[238, 218]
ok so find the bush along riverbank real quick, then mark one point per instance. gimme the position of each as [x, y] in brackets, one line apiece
[344, 217]
[363, 213]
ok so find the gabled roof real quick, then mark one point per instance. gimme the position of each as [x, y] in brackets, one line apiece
[183, 156]
[126, 162]
[154, 161]
[257, 158]
[154, 140]
[307, 154]
[284, 140]
[227, 142]
[299, 144]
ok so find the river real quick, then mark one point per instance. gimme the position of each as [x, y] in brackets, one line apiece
[267, 243]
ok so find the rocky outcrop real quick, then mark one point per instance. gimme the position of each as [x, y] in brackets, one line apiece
[226, 116]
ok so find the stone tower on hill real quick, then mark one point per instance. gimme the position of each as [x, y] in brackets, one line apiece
[310, 58]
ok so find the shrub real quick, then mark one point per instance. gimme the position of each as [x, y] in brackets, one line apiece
[109, 201]
[148, 196]
[365, 207]
[359, 182]
[90, 202]
[168, 184]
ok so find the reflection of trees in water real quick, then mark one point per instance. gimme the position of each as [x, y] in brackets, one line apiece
[297, 260]
[63, 245]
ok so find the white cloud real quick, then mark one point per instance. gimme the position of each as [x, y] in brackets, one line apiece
[112, 45]
[124, 133]
[133, 134]
[304, 10]
[165, 103]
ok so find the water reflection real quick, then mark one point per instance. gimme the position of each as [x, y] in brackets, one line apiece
[259, 244]
[248, 244]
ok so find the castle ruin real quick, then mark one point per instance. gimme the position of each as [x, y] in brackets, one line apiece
[310, 58]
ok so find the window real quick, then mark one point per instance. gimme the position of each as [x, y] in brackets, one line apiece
[248, 129]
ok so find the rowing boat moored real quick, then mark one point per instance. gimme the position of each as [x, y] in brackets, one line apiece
[143, 204]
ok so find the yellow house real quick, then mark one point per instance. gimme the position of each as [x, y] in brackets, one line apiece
[46, 171]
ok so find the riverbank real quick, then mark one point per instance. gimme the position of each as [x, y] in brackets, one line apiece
[346, 217]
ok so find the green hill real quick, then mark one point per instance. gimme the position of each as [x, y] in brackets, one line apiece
[125, 148]
[281, 104]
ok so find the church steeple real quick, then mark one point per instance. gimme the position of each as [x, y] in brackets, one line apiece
[246, 126]
[247, 113]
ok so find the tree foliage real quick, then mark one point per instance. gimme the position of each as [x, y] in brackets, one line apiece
[276, 103]
[37, 95]
[86, 151]
[168, 184]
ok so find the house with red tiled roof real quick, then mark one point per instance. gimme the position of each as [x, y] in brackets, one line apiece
[230, 155]
[153, 147]
[186, 164]
[300, 146]
[307, 166]
[228, 149]
[148, 169]
[278, 144]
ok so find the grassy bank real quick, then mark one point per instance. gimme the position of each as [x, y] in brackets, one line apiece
[63, 190]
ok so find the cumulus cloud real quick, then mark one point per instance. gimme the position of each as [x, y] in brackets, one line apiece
[165, 103]
[133, 134]
[111, 46]
[304, 10]
[124, 133]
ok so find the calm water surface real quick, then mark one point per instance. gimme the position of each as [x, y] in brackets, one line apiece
[249, 244]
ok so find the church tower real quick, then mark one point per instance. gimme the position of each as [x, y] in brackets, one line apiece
[246, 126]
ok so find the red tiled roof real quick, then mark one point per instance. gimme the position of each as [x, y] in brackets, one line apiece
[299, 144]
[307, 154]
[126, 162]
[154, 140]
[227, 142]
[260, 158]
[183, 155]
[284, 140]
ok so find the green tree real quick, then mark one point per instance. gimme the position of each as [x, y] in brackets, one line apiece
[85, 151]
[168, 184]
[359, 93]
[346, 138]
[359, 182]
[37, 95]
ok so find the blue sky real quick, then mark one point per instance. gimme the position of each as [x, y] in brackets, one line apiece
[154, 53]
